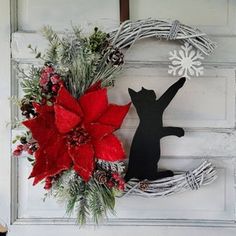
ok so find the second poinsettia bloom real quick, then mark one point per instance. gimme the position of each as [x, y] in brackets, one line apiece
[76, 132]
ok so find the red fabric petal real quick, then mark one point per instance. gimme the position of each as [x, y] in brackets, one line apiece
[39, 170]
[83, 158]
[96, 86]
[51, 159]
[114, 115]
[42, 127]
[67, 101]
[52, 156]
[58, 158]
[64, 119]
[42, 109]
[109, 149]
[98, 131]
[93, 104]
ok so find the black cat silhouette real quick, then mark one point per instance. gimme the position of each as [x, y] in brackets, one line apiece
[145, 147]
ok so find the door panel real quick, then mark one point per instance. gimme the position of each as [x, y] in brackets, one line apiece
[5, 132]
[213, 16]
[191, 205]
[148, 50]
[61, 14]
[206, 102]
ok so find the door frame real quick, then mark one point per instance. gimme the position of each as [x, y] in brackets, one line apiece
[5, 108]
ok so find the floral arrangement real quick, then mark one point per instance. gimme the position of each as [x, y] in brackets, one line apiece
[70, 139]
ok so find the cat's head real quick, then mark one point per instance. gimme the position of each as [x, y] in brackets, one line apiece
[142, 96]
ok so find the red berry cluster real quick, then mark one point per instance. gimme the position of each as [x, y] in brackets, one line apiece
[50, 83]
[26, 146]
[116, 181]
[48, 183]
[78, 136]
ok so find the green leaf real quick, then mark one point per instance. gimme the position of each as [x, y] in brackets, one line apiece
[30, 159]
[38, 55]
[49, 103]
[14, 141]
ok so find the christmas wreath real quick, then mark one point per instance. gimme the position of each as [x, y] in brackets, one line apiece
[70, 140]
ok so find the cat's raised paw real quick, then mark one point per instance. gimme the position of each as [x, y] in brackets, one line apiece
[182, 81]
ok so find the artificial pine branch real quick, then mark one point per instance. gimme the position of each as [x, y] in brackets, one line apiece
[54, 43]
[82, 206]
[30, 84]
[96, 205]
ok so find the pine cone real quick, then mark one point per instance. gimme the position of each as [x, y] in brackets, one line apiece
[27, 109]
[115, 57]
[101, 176]
[143, 185]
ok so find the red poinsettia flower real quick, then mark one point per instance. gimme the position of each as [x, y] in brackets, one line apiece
[76, 132]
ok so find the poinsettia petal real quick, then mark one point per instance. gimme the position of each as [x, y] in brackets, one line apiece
[96, 86]
[66, 100]
[57, 153]
[98, 131]
[83, 158]
[39, 171]
[51, 159]
[52, 156]
[109, 149]
[42, 109]
[41, 127]
[93, 104]
[114, 115]
[65, 120]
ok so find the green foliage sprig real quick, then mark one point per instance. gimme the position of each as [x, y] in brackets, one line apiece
[90, 200]
[29, 82]
[81, 60]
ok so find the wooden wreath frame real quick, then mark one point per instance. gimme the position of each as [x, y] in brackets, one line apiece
[203, 175]
[125, 36]
[131, 31]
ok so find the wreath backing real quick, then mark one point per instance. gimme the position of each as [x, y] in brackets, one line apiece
[66, 100]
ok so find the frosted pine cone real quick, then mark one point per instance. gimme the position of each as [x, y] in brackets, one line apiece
[143, 185]
[115, 56]
[101, 176]
[27, 109]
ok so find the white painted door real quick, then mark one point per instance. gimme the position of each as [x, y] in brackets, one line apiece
[205, 108]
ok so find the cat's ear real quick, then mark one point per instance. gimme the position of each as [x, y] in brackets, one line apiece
[132, 93]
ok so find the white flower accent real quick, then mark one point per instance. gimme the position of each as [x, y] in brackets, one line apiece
[186, 62]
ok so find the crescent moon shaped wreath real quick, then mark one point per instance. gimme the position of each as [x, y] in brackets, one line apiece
[70, 140]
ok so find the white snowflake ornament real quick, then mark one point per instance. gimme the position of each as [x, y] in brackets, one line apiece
[186, 62]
